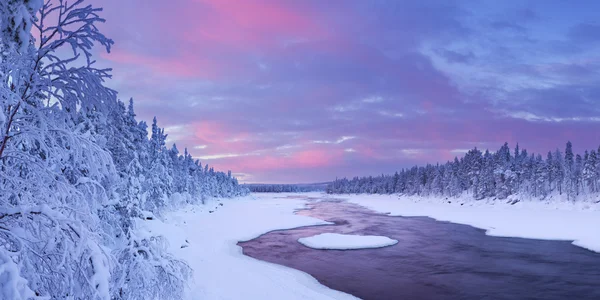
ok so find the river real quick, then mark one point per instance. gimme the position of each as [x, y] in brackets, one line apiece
[432, 260]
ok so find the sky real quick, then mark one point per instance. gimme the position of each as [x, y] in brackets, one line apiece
[307, 91]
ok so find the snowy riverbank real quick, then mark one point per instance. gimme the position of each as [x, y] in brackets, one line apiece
[206, 236]
[553, 219]
[208, 242]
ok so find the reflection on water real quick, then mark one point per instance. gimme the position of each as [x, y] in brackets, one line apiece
[432, 260]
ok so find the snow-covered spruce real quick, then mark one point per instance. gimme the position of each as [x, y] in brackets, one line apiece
[337, 241]
[491, 175]
[77, 171]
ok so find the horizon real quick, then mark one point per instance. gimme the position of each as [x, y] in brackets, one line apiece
[287, 92]
[459, 157]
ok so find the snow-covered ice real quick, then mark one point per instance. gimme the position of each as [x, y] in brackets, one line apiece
[336, 241]
[208, 242]
[535, 219]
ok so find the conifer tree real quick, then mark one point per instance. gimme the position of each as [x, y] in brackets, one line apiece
[489, 175]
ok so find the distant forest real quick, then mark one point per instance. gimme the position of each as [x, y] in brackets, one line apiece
[489, 175]
[286, 188]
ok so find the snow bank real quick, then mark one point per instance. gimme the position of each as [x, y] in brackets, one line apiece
[560, 220]
[12, 285]
[336, 241]
[206, 237]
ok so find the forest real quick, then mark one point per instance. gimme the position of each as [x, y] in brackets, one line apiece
[286, 188]
[490, 175]
[78, 171]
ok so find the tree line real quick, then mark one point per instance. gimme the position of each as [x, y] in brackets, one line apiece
[490, 175]
[285, 188]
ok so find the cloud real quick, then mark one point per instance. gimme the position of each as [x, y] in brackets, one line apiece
[455, 56]
[586, 33]
[304, 91]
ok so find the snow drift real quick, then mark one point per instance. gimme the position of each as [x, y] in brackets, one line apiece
[337, 241]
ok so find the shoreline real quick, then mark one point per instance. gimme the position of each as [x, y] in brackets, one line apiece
[559, 220]
[208, 243]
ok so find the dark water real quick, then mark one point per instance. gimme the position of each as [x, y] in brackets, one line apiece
[432, 260]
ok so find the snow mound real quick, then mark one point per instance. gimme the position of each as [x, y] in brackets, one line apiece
[336, 241]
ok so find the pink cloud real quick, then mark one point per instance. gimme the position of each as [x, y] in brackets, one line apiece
[237, 23]
[271, 160]
[199, 38]
[184, 65]
[315, 158]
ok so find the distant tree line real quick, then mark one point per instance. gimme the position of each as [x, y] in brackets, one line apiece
[285, 188]
[489, 175]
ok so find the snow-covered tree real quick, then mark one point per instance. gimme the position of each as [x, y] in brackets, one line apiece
[489, 175]
[570, 174]
[68, 214]
[54, 171]
[590, 171]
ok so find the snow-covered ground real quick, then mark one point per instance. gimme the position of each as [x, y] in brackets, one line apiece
[552, 219]
[346, 241]
[207, 236]
[207, 241]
